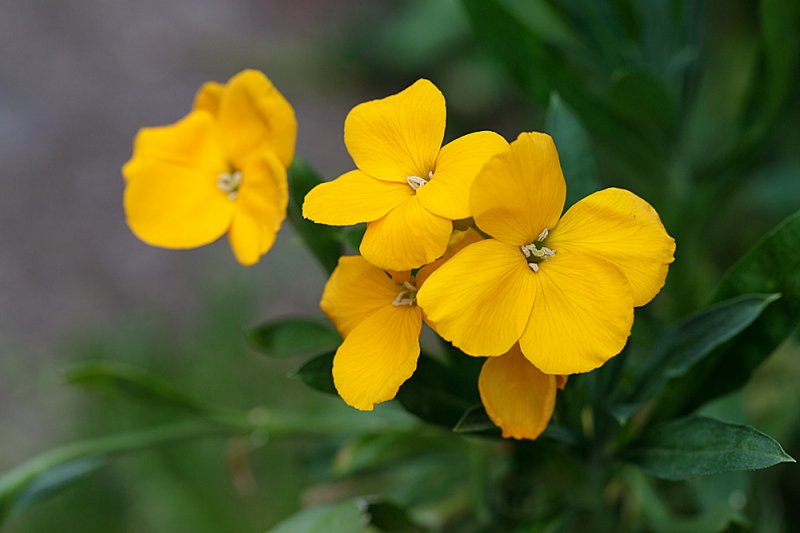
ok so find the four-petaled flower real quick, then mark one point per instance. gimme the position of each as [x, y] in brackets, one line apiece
[408, 188]
[222, 168]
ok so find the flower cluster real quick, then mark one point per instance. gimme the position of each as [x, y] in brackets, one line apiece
[468, 237]
[540, 295]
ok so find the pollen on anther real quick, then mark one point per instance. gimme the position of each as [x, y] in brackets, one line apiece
[415, 182]
[229, 182]
[534, 267]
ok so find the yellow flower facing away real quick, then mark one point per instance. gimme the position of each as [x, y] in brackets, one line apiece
[221, 168]
[564, 288]
[407, 187]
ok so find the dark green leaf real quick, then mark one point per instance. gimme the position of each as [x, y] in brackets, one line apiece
[643, 99]
[387, 516]
[691, 339]
[697, 446]
[348, 516]
[780, 20]
[771, 266]
[574, 152]
[352, 235]
[57, 469]
[133, 383]
[318, 373]
[388, 448]
[288, 337]
[323, 241]
[475, 420]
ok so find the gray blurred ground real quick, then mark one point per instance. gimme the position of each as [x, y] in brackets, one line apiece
[77, 79]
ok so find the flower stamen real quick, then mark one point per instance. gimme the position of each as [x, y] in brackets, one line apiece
[407, 296]
[536, 252]
[229, 183]
[415, 182]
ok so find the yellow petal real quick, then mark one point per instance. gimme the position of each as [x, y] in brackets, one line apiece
[253, 115]
[378, 356]
[520, 191]
[447, 193]
[407, 237]
[260, 208]
[623, 229]
[208, 97]
[480, 299]
[355, 290]
[458, 241]
[352, 198]
[582, 315]
[397, 136]
[517, 396]
[191, 142]
[171, 194]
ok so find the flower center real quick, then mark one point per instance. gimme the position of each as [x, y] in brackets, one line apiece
[229, 182]
[536, 252]
[415, 182]
[407, 296]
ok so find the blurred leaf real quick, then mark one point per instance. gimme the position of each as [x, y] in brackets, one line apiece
[57, 469]
[388, 448]
[780, 20]
[697, 446]
[387, 516]
[356, 515]
[475, 420]
[288, 337]
[574, 151]
[687, 342]
[318, 373]
[643, 99]
[437, 394]
[129, 382]
[352, 235]
[771, 266]
[323, 241]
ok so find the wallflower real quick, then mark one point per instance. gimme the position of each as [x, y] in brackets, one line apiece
[564, 289]
[408, 188]
[222, 168]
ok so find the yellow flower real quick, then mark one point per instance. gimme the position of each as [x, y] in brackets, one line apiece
[408, 188]
[222, 168]
[563, 288]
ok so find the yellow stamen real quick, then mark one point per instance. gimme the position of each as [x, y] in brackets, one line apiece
[229, 182]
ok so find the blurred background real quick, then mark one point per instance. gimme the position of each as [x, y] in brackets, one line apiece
[79, 78]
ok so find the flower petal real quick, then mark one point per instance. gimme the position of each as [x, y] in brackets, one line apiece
[447, 193]
[378, 356]
[190, 142]
[520, 191]
[458, 241]
[352, 198]
[517, 396]
[582, 315]
[171, 194]
[407, 237]
[355, 290]
[209, 97]
[260, 208]
[623, 229]
[480, 299]
[397, 136]
[253, 115]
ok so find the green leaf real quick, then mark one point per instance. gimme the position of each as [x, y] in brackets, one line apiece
[771, 266]
[574, 151]
[352, 235]
[57, 469]
[780, 20]
[643, 99]
[129, 382]
[698, 446]
[690, 340]
[388, 448]
[288, 337]
[323, 241]
[349, 516]
[475, 420]
[318, 373]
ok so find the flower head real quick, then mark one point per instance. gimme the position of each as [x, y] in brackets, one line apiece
[408, 188]
[564, 288]
[222, 168]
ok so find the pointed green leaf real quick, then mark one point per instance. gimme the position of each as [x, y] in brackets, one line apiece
[317, 373]
[475, 420]
[288, 337]
[698, 446]
[574, 151]
[133, 383]
[323, 241]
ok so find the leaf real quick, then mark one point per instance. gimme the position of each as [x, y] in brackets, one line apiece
[771, 266]
[323, 241]
[348, 516]
[388, 448]
[574, 151]
[288, 337]
[643, 99]
[780, 20]
[475, 420]
[698, 446]
[317, 373]
[130, 382]
[352, 235]
[687, 342]
[52, 471]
